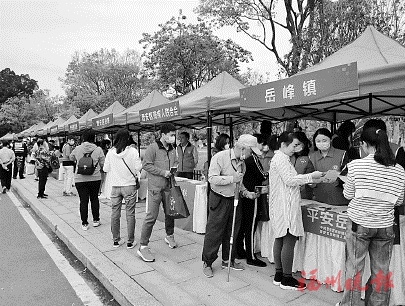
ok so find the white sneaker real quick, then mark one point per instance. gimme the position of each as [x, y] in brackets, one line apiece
[170, 241]
[85, 227]
[96, 223]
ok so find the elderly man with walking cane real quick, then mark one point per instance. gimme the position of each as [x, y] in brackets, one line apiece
[225, 176]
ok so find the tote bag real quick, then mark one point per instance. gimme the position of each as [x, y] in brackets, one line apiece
[174, 203]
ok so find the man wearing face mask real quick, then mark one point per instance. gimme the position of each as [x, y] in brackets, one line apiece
[159, 158]
[225, 176]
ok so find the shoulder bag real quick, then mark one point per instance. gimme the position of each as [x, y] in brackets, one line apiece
[137, 184]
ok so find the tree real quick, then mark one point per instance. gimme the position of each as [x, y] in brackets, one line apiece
[98, 79]
[316, 28]
[185, 57]
[19, 113]
[12, 85]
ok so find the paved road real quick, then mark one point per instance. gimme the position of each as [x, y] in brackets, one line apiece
[28, 275]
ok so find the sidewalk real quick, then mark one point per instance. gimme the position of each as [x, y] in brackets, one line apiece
[175, 278]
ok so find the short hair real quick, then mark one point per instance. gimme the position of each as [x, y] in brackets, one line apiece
[71, 137]
[185, 134]
[89, 136]
[260, 139]
[375, 123]
[220, 142]
[346, 128]
[266, 127]
[287, 138]
[5, 143]
[167, 128]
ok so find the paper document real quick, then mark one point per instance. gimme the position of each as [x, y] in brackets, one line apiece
[330, 176]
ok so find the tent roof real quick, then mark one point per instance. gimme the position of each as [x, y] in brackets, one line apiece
[70, 120]
[381, 73]
[36, 127]
[8, 136]
[131, 114]
[58, 121]
[155, 98]
[90, 114]
[220, 95]
[114, 108]
[370, 50]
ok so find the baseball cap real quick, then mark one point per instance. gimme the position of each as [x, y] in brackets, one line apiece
[249, 141]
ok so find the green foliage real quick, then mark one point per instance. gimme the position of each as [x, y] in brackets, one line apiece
[12, 85]
[19, 113]
[184, 57]
[95, 80]
[315, 28]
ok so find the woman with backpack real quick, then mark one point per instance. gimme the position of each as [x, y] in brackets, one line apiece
[123, 164]
[89, 160]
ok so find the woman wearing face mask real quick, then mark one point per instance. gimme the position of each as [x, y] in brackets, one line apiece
[324, 158]
[302, 163]
[285, 210]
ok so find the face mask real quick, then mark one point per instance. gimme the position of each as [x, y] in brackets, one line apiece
[226, 147]
[170, 139]
[323, 146]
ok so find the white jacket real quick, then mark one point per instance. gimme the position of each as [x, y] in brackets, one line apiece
[116, 169]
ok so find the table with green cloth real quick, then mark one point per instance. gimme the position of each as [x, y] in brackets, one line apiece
[195, 195]
[320, 254]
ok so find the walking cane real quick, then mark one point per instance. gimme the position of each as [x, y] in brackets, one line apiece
[235, 205]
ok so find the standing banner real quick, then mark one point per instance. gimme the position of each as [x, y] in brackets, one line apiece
[324, 221]
[301, 89]
[160, 113]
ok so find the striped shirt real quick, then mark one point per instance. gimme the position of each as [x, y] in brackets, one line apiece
[373, 189]
[284, 196]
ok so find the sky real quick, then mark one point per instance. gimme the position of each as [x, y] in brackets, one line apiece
[39, 37]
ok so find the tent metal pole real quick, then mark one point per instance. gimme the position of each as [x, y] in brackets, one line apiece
[209, 140]
[333, 125]
[139, 142]
[230, 132]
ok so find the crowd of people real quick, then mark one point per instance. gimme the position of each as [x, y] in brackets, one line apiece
[268, 175]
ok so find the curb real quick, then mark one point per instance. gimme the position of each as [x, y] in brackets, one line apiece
[121, 286]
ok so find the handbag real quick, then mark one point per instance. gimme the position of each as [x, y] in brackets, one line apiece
[137, 184]
[174, 204]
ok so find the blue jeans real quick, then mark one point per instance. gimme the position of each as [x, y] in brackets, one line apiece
[117, 194]
[378, 243]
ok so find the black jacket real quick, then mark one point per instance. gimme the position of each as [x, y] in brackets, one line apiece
[254, 175]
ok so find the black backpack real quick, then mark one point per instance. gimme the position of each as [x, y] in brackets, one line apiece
[85, 166]
[54, 161]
